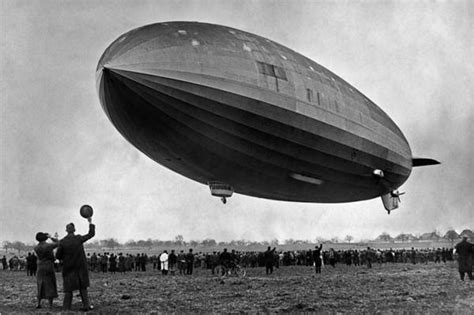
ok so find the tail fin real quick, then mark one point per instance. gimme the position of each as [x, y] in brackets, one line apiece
[423, 162]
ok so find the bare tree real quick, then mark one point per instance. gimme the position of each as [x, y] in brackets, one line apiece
[110, 243]
[209, 242]
[6, 245]
[385, 237]
[452, 236]
[179, 240]
[131, 243]
[290, 241]
[320, 240]
[19, 246]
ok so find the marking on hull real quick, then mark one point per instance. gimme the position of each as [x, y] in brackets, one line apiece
[306, 179]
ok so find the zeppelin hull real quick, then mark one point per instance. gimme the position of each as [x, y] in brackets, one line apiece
[260, 141]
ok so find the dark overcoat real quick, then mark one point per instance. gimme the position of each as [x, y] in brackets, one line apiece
[269, 257]
[317, 256]
[71, 252]
[464, 250]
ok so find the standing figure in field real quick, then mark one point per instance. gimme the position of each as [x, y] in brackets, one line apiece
[413, 256]
[369, 257]
[182, 262]
[465, 250]
[143, 261]
[4, 263]
[94, 261]
[31, 264]
[332, 257]
[121, 263]
[104, 260]
[317, 258]
[112, 263]
[269, 257]
[189, 262]
[129, 264]
[34, 265]
[136, 262]
[225, 260]
[75, 273]
[164, 263]
[213, 261]
[172, 260]
[45, 276]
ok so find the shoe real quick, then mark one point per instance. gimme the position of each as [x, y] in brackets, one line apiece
[86, 309]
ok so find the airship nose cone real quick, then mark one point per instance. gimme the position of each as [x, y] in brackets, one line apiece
[137, 50]
[116, 56]
[112, 52]
[137, 47]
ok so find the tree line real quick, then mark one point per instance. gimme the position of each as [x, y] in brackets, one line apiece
[179, 241]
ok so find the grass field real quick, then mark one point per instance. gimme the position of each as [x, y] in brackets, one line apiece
[384, 288]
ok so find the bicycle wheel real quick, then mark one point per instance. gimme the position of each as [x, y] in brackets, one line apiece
[240, 272]
[220, 271]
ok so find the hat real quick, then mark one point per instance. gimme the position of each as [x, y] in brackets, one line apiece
[41, 237]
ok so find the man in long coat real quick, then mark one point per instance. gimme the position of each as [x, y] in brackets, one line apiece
[465, 250]
[269, 257]
[75, 273]
[172, 260]
[317, 258]
[189, 262]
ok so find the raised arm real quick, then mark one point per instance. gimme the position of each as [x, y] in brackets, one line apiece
[88, 236]
[60, 252]
[55, 242]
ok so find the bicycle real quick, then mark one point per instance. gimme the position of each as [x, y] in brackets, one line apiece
[234, 270]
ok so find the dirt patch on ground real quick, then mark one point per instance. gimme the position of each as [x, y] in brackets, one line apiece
[384, 288]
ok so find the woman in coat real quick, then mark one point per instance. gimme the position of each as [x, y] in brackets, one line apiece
[45, 276]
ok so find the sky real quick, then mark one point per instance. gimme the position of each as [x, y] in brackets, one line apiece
[58, 150]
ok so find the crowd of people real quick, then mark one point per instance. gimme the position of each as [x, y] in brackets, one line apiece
[75, 265]
[184, 263]
[172, 262]
[366, 256]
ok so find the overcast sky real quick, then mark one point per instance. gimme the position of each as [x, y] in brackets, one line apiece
[58, 150]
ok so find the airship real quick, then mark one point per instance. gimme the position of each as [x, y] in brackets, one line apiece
[244, 114]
